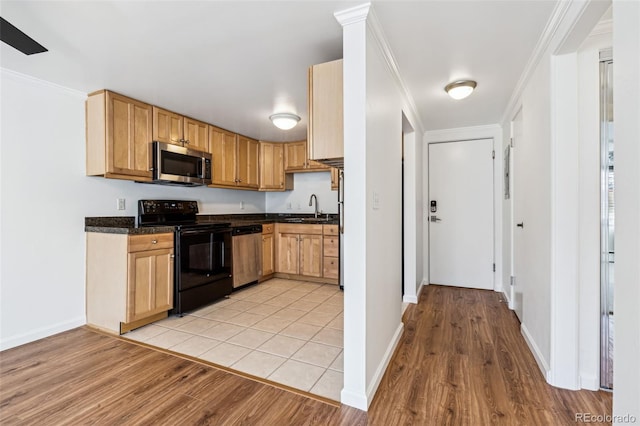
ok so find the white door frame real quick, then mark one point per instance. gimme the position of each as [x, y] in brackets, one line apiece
[494, 132]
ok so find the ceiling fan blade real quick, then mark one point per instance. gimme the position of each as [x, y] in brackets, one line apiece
[19, 40]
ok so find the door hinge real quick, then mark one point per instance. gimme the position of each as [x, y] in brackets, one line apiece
[493, 154]
[512, 280]
[494, 267]
[511, 142]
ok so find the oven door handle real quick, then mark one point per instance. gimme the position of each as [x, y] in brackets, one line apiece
[203, 231]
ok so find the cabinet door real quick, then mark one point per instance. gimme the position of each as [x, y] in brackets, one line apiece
[268, 264]
[167, 126]
[272, 166]
[295, 156]
[287, 254]
[150, 283]
[248, 170]
[325, 130]
[335, 179]
[129, 133]
[223, 150]
[311, 255]
[196, 134]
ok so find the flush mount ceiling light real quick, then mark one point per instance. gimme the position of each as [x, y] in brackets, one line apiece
[284, 120]
[460, 89]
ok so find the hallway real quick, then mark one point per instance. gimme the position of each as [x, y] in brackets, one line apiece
[463, 361]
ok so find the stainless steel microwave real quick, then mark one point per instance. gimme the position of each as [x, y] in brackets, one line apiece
[177, 165]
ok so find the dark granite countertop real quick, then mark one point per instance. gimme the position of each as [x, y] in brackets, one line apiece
[127, 224]
[121, 225]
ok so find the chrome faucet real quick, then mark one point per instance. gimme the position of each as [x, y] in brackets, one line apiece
[315, 213]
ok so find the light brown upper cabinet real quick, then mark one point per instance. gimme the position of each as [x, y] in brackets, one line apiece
[248, 167]
[335, 179]
[325, 131]
[272, 175]
[119, 130]
[170, 127]
[296, 159]
[223, 150]
[235, 160]
[196, 134]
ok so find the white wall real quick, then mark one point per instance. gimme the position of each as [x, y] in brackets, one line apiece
[374, 102]
[559, 102]
[384, 222]
[45, 198]
[304, 184]
[536, 212]
[626, 104]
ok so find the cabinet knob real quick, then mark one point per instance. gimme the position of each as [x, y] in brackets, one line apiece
[154, 241]
[172, 256]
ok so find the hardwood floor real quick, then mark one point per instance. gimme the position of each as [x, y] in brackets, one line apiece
[461, 361]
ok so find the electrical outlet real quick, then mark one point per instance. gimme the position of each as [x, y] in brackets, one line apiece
[241, 205]
[121, 204]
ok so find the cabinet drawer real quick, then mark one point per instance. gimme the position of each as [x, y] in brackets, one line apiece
[331, 245]
[298, 228]
[330, 229]
[150, 242]
[267, 228]
[330, 267]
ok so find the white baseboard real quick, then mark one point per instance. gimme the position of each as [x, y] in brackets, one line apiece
[41, 333]
[508, 299]
[423, 284]
[589, 381]
[384, 363]
[355, 400]
[542, 363]
[407, 298]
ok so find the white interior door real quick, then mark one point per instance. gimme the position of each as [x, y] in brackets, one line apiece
[461, 228]
[517, 217]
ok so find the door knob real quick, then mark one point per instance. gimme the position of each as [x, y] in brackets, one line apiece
[435, 219]
[520, 225]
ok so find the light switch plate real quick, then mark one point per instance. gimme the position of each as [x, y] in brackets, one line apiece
[376, 200]
[121, 204]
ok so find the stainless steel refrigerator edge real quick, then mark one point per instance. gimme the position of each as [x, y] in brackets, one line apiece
[341, 224]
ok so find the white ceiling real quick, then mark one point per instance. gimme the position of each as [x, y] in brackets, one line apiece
[234, 63]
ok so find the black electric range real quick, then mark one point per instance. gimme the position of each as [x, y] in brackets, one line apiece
[203, 269]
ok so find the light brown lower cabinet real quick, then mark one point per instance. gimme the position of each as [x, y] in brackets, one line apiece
[129, 280]
[299, 252]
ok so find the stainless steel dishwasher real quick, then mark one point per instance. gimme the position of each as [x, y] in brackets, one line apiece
[246, 263]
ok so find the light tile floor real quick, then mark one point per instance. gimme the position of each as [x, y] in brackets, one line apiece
[286, 331]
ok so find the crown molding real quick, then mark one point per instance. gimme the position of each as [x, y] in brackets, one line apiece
[602, 27]
[487, 131]
[365, 12]
[15, 75]
[378, 36]
[352, 15]
[544, 41]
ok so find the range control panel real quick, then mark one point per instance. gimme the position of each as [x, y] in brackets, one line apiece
[167, 206]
